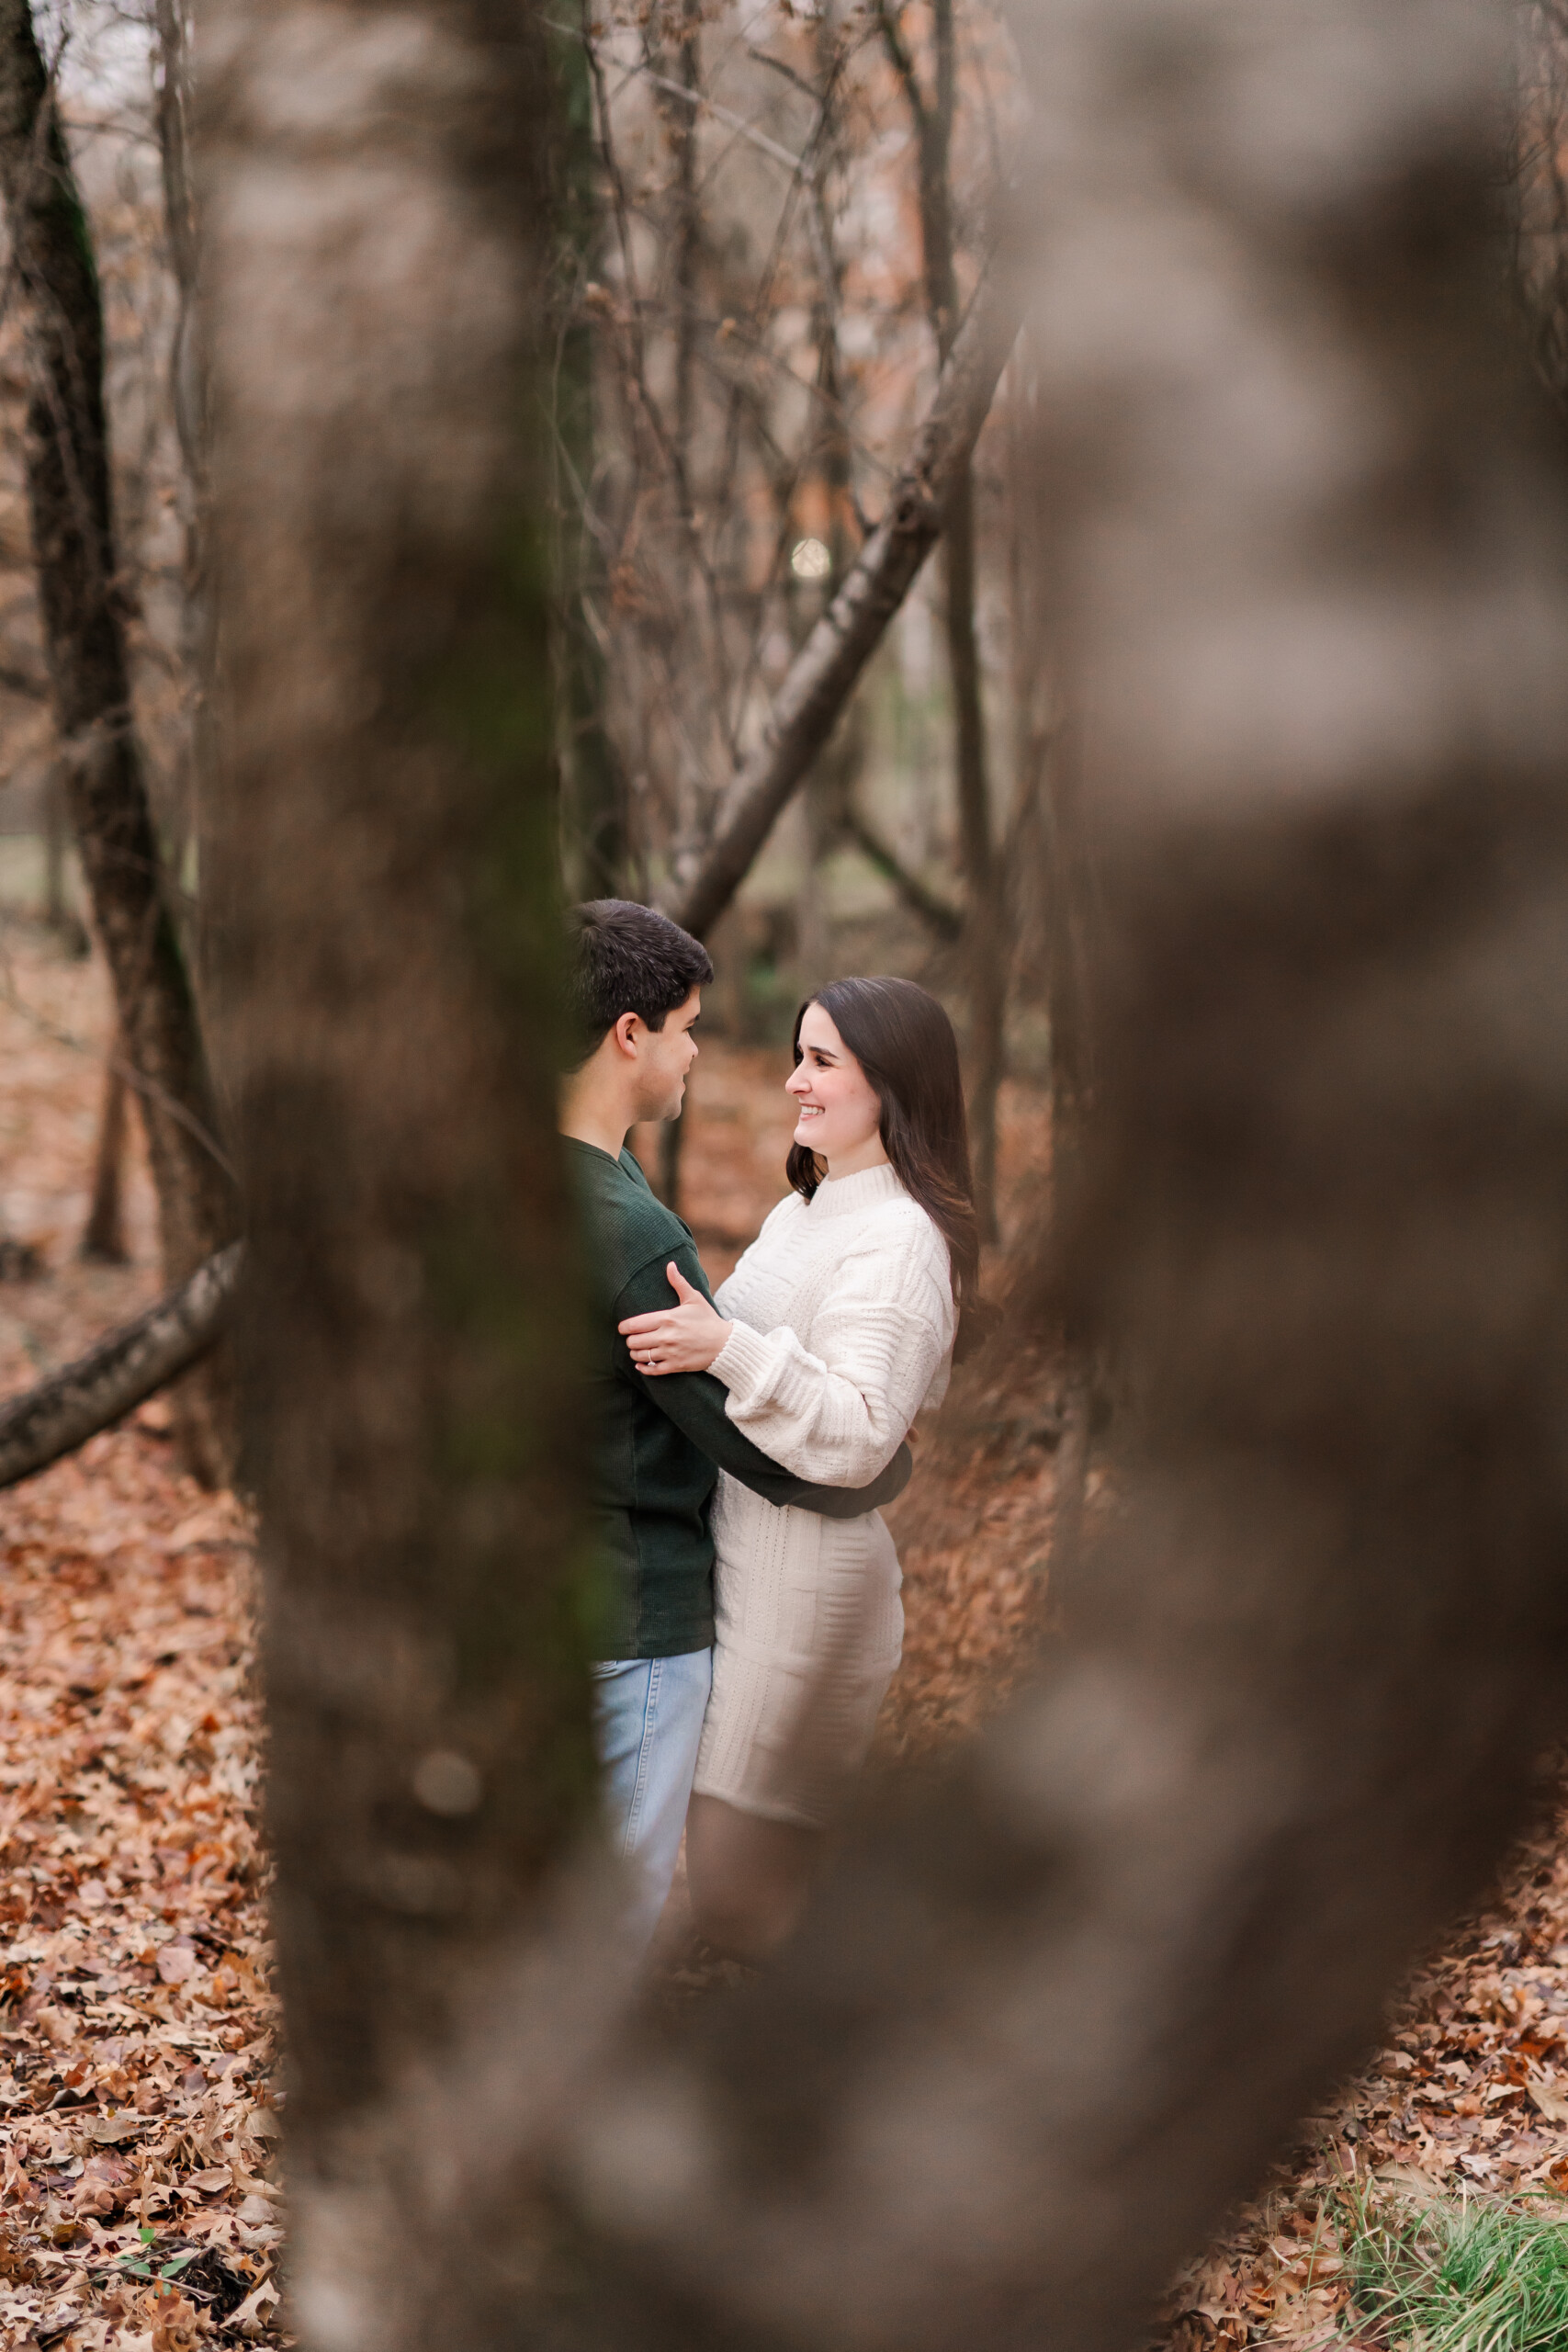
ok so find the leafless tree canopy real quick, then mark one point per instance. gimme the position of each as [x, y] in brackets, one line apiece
[763, 358]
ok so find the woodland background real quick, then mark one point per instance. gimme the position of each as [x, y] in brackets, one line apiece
[767, 225]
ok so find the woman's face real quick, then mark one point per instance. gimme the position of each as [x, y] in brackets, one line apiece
[839, 1116]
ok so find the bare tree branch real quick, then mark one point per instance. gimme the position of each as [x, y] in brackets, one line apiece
[742, 129]
[938, 913]
[892, 31]
[824, 673]
[128, 1366]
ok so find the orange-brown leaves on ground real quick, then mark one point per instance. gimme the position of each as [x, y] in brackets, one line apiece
[54, 1029]
[136, 2130]
[138, 2118]
[974, 1534]
[177, 2323]
[1469, 2096]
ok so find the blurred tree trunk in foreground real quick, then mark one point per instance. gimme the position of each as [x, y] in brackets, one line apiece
[377, 267]
[67, 464]
[1307, 540]
[1054, 2007]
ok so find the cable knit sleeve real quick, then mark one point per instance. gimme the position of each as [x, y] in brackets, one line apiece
[835, 1411]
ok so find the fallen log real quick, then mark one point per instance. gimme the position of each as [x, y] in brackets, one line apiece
[122, 1371]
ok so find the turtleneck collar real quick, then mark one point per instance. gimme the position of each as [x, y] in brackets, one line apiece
[846, 1195]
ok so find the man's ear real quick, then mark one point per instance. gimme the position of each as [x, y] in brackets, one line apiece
[624, 1033]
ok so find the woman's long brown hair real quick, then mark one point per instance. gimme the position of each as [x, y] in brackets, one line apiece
[904, 1043]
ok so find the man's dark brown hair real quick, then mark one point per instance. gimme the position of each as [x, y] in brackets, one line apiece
[623, 957]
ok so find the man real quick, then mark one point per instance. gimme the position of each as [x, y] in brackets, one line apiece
[636, 992]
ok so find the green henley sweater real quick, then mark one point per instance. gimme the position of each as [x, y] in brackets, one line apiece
[662, 1441]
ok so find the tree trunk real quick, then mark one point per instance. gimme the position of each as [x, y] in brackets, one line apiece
[985, 926]
[188, 399]
[683, 124]
[1538, 187]
[682, 121]
[66, 459]
[987, 948]
[594, 812]
[54, 913]
[410, 1331]
[103, 1236]
[187, 375]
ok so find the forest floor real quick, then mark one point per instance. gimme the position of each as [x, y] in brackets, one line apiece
[138, 2124]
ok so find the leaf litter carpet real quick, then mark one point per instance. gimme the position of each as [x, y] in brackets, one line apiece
[1468, 2099]
[139, 2134]
[138, 2123]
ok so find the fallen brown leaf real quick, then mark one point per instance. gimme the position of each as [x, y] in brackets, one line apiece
[176, 2325]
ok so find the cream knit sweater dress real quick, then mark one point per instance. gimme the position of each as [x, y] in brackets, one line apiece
[843, 1317]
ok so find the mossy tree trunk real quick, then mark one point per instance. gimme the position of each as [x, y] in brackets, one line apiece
[386, 841]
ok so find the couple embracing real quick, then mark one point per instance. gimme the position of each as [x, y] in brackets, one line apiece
[747, 1440]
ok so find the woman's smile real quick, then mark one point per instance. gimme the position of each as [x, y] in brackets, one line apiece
[834, 1098]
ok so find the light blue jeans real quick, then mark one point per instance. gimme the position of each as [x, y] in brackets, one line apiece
[647, 1720]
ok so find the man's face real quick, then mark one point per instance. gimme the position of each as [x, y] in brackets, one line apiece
[664, 1055]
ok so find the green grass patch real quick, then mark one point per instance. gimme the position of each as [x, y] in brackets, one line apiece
[1475, 2276]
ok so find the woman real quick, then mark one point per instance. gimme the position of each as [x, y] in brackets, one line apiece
[833, 1331]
